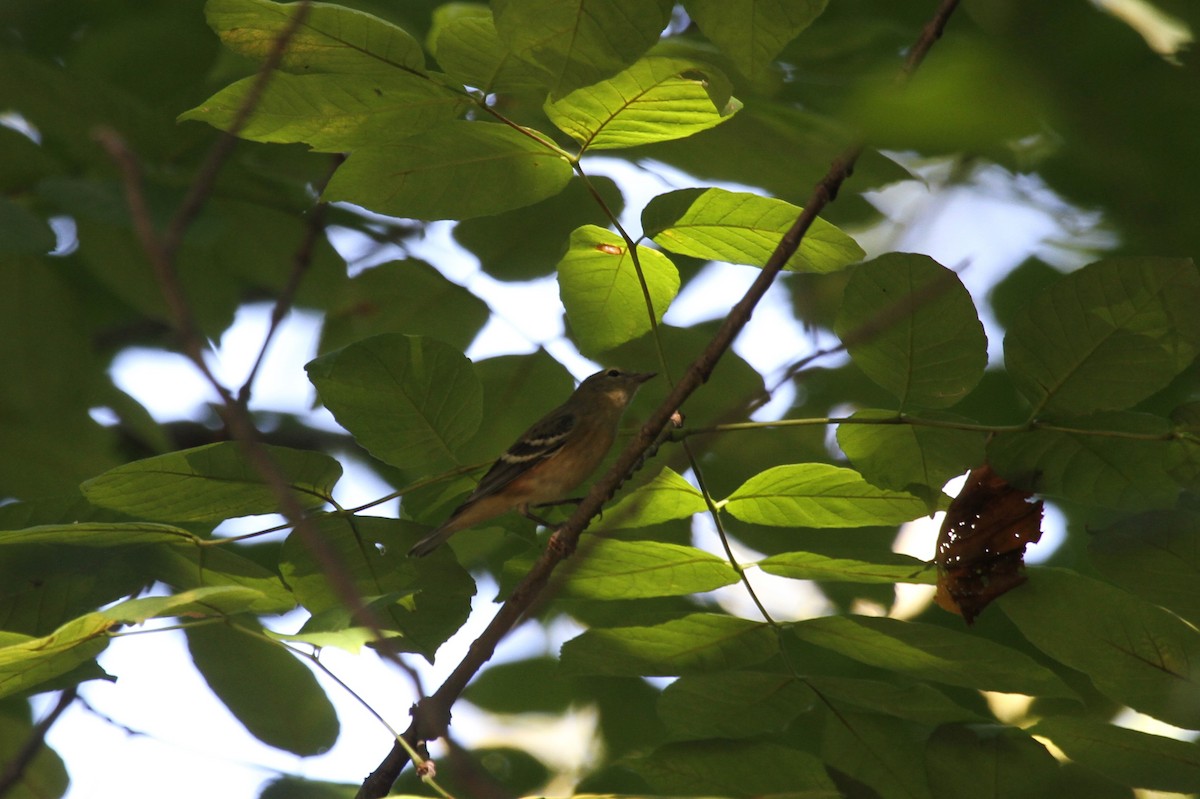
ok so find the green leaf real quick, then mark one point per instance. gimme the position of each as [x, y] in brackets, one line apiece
[528, 242]
[639, 569]
[1107, 336]
[665, 498]
[752, 33]
[43, 773]
[657, 99]
[915, 702]
[601, 292]
[411, 401]
[331, 112]
[1119, 460]
[698, 643]
[582, 41]
[1156, 556]
[523, 686]
[909, 456]
[331, 38]
[932, 653]
[402, 297]
[870, 567]
[1134, 652]
[211, 483]
[22, 232]
[289, 787]
[734, 768]
[910, 325]
[426, 600]
[27, 662]
[454, 171]
[1016, 766]
[735, 704]
[882, 752]
[466, 44]
[819, 495]
[741, 228]
[269, 691]
[210, 601]
[1127, 756]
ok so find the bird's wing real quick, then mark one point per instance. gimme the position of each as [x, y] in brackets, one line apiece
[538, 443]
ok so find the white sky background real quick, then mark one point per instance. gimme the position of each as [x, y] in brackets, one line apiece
[183, 743]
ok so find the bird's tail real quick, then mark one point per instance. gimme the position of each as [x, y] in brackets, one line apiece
[433, 540]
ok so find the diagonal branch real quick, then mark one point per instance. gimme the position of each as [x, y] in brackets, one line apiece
[431, 716]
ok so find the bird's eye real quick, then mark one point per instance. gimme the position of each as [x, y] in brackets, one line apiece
[613, 373]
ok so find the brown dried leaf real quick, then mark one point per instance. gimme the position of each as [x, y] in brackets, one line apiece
[981, 547]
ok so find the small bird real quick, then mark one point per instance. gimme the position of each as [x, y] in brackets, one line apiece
[550, 459]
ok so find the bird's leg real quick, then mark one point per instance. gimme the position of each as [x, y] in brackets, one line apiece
[570, 501]
[528, 514]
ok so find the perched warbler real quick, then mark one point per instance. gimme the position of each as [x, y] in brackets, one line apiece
[550, 459]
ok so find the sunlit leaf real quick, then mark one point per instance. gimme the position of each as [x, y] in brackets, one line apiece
[1107, 336]
[411, 401]
[697, 643]
[637, 569]
[910, 325]
[665, 498]
[26, 661]
[656, 99]
[332, 38]
[454, 171]
[211, 483]
[874, 567]
[819, 495]
[602, 294]
[466, 44]
[742, 228]
[331, 112]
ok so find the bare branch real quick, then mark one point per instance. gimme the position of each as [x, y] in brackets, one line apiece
[14, 770]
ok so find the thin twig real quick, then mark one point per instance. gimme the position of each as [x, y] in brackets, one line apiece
[301, 261]
[432, 715]
[14, 769]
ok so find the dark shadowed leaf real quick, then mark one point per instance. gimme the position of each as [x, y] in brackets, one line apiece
[411, 401]
[932, 653]
[454, 171]
[275, 696]
[1134, 652]
[910, 325]
[1107, 336]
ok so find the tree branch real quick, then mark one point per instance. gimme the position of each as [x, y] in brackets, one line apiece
[431, 716]
[15, 769]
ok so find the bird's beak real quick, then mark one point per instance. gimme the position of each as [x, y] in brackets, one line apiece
[642, 377]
